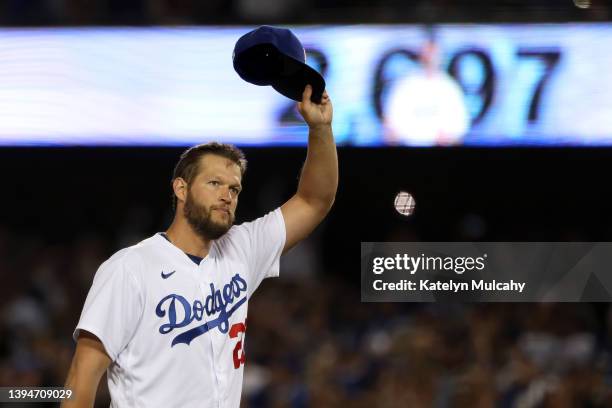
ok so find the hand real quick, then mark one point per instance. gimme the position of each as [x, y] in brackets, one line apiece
[315, 114]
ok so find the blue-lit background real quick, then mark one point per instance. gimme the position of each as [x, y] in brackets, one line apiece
[522, 84]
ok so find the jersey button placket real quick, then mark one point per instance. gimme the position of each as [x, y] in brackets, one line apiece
[204, 286]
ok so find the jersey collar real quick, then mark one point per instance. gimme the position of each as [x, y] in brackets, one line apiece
[161, 236]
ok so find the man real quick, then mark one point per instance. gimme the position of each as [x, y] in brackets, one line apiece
[167, 317]
[426, 107]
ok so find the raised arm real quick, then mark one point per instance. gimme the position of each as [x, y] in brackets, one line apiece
[319, 179]
[88, 365]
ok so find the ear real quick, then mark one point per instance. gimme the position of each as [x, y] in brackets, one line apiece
[180, 187]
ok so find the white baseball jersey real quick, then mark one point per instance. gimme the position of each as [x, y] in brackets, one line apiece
[175, 329]
[427, 109]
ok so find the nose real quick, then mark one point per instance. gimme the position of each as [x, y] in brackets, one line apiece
[226, 195]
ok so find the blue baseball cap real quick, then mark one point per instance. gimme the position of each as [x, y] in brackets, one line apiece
[274, 56]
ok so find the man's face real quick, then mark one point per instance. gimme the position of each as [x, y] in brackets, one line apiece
[430, 56]
[212, 197]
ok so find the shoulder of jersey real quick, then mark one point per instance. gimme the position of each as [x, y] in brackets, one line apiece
[232, 241]
[135, 253]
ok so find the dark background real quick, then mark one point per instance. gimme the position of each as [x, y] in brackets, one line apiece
[523, 194]
[148, 12]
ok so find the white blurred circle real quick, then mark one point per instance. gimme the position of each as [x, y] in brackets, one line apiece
[404, 203]
[582, 3]
[425, 109]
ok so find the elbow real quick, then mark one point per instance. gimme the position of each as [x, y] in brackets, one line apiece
[331, 201]
[326, 203]
[327, 197]
[321, 204]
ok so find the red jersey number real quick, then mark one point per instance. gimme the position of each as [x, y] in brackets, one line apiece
[238, 354]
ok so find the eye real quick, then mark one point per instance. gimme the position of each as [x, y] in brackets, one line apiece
[235, 190]
[214, 183]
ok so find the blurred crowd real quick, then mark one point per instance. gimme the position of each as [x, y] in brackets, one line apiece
[338, 352]
[102, 12]
[312, 343]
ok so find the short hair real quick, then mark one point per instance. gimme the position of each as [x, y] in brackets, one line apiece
[188, 165]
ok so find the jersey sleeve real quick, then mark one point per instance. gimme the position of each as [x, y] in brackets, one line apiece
[265, 242]
[113, 307]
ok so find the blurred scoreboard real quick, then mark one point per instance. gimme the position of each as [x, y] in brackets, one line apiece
[521, 85]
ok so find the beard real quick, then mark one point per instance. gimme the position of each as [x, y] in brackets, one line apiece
[200, 219]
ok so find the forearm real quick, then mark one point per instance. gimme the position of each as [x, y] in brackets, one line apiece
[319, 179]
[83, 391]
[88, 365]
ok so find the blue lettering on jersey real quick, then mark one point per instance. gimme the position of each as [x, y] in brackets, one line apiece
[217, 302]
